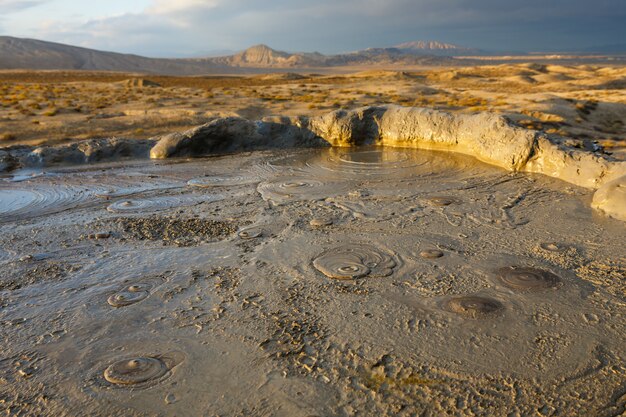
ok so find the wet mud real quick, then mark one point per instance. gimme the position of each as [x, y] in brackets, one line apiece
[365, 281]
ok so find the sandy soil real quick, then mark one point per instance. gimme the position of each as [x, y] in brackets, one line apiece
[584, 103]
[308, 283]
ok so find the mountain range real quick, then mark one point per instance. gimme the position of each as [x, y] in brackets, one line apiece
[18, 53]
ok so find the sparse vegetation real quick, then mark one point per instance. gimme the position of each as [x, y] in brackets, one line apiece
[52, 106]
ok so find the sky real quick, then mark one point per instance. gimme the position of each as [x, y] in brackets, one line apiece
[185, 28]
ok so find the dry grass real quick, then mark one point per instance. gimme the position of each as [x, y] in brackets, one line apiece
[53, 106]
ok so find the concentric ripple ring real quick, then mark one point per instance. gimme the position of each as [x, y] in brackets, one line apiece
[473, 306]
[527, 278]
[354, 261]
[135, 371]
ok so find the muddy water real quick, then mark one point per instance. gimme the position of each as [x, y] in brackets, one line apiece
[316, 282]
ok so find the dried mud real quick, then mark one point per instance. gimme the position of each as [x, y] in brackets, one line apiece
[364, 281]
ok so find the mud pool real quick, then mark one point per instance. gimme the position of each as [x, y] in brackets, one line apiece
[366, 281]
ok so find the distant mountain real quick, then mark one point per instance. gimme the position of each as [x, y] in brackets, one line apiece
[386, 56]
[436, 48]
[16, 53]
[617, 49]
[262, 56]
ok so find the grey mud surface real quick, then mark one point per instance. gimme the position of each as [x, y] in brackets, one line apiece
[328, 282]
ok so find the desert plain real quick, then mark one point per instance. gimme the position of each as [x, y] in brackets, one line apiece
[313, 280]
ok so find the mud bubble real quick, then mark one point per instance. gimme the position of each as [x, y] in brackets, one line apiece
[527, 278]
[251, 233]
[442, 201]
[321, 222]
[354, 261]
[157, 204]
[473, 306]
[431, 253]
[131, 295]
[553, 247]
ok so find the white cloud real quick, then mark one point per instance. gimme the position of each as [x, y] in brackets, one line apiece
[12, 6]
[182, 27]
[165, 7]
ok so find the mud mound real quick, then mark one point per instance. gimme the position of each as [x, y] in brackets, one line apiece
[488, 137]
[233, 134]
[473, 306]
[611, 199]
[88, 152]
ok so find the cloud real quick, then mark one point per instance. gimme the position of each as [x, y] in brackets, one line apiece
[165, 7]
[182, 27]
[13, 6]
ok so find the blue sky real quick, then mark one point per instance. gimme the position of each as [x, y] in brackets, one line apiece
[168, 28]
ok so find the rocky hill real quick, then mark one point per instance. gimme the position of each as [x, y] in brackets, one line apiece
[16, 53]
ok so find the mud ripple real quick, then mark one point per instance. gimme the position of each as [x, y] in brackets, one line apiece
[21, 203]
[123, 192]
[135, 371]
[527, 278]
[158, 203]
[289, 189]
[354, 261]
[368, 161]
[473, 306]
[374, 163]
[221, 181]
[131, 295]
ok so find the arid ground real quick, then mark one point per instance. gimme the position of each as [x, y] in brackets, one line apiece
[325, 281]
[586, 104]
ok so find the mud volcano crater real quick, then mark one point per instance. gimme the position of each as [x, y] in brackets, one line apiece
[354, 261]
[473, 306]
[130, 295]
[527, 278]
[141, 372]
